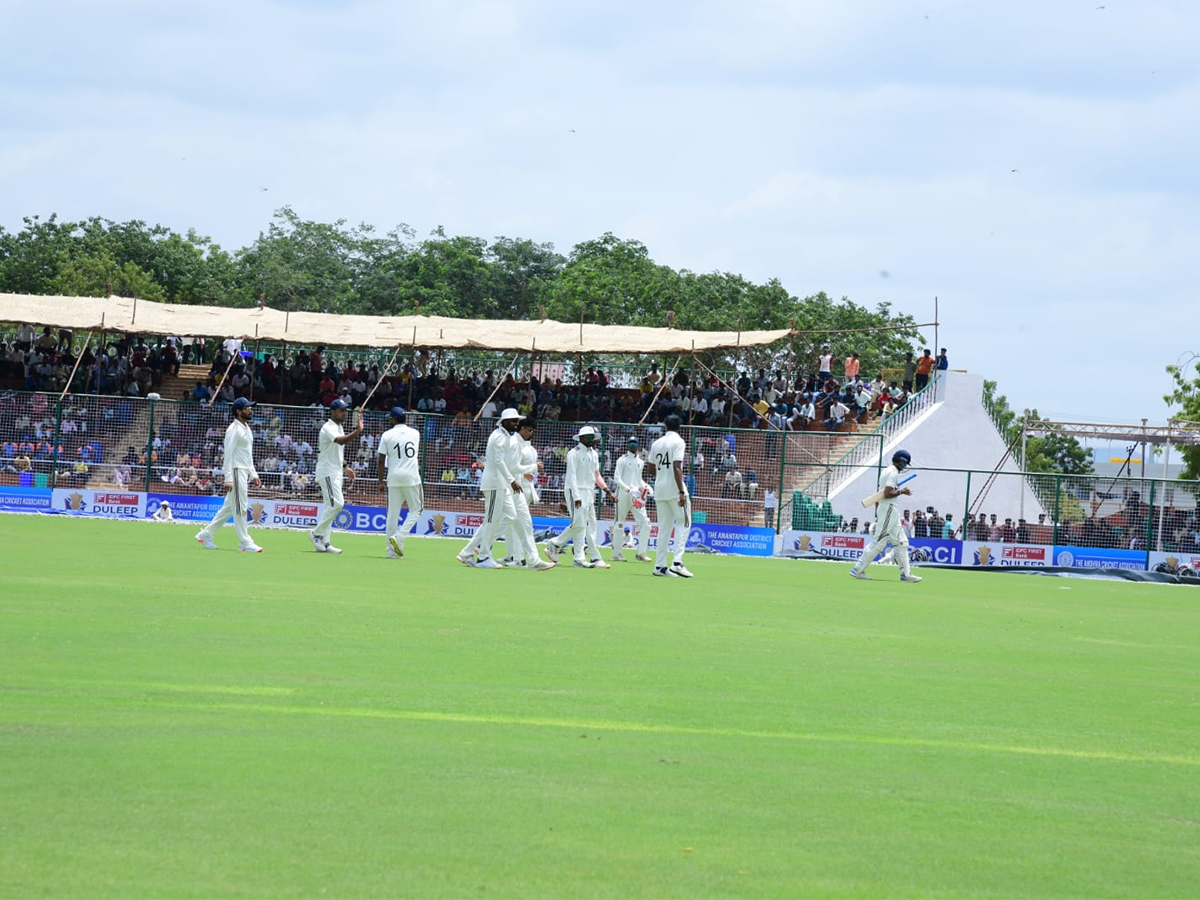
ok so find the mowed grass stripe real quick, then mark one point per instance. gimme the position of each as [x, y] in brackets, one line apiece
[175, 722]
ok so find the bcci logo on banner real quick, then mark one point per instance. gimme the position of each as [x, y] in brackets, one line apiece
[257, 514]
[343, 519]
[437, 524]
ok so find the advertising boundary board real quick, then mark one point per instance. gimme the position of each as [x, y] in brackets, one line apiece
[25, 500]
[994, 553]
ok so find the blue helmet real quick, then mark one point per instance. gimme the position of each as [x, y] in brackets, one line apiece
[902, 459]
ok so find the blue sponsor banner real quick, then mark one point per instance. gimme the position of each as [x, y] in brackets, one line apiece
[1100, 558]
[737, 539]
[935, 550]
[19, 499]
[184, 506]
[363, 518]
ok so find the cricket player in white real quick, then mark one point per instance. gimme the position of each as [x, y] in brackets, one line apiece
[579, 486]
[400, 476]
[632, 491]
[239, 473]
[887, 524]
[671, 500]
[499, 485]
[163, 513]
[331, 469]
[522, 548]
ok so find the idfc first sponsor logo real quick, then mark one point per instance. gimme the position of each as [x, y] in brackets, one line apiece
[1023, 556]
[116, 504]
[295, 515]
[464, 524]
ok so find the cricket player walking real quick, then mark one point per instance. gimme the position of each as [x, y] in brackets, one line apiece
[239, 474]
[522, 548]
[400, 477]
[498, 486]
[330, 471]
[632, 492]
[887, 522]
[579, 486]
[671, 500]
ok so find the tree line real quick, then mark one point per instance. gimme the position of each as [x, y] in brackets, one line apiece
[354, 269]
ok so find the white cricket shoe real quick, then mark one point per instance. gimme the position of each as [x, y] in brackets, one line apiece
[552, 551]
[910, 578]
[584, 564]
[616, 557]
[514, 564]
[206, 542]
[329, 548]
[599, 564]
[488, 563]
[642, 557]
[391, 555]
[542, 566]
[664, 573]
[861, 576]
[318, 544]
[680, 570]
[250, 548]
[397, 545]
[465, 558]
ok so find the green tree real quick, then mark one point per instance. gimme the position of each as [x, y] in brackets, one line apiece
[90, 276]
[1185, 396]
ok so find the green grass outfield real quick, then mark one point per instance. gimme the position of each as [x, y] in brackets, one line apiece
[176, 722]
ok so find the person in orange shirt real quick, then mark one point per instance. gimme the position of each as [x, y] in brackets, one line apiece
[924, 367]
[852, 367]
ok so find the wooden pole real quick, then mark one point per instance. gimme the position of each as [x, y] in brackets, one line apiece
[499, 381]
[75, 368]
[692, 387]
[382, 375]
[221, 383]
[665, 382]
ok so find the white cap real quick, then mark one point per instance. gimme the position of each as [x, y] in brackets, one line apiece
[586, 431]
[509, 413]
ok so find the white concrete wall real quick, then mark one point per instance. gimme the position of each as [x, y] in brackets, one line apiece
[956, 433]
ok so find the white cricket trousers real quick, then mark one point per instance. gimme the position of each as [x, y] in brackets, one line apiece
[331, 494]
[582, 529]
[518, 540]
[887, 531]
[236, 503]
[498, 511]
[400, 495]
[641, 523]
[672, 517]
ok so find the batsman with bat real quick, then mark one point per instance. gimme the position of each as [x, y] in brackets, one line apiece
[887, 527]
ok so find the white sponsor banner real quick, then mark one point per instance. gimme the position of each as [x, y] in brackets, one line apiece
[110, 503]
[1172, 561]
[834, 544]
[995, 553]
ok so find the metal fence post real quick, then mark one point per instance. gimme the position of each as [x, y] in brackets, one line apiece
[150, 447]
[779, 496]
[966, 508]
[1057, 507]
[1149, 532]
[54, 460]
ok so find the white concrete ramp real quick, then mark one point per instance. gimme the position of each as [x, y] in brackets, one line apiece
[955, 432]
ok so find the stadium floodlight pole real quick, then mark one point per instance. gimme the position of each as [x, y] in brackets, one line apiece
[382, 375]
[75, 368]
[221, 383]
[666, 380]
[499, 381]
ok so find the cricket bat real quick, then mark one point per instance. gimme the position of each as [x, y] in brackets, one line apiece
[878, 495]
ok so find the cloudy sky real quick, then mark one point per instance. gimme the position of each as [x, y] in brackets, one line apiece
[1031, 164]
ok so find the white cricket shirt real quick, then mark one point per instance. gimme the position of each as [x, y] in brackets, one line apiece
[627, 473]
[582, 467]
[400, 446]
[663, 454]
[496, 474]
[239, 449]
[329, 451]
